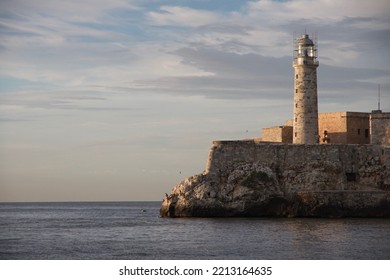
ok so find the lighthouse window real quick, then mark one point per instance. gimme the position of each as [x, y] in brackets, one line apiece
[366, 133]
[296, 76]
[296, 105]
[358, 131]
[296, 91]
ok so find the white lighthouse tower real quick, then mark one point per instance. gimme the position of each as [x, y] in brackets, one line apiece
[305, 122]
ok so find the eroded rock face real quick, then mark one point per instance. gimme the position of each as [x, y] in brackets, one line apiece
[316, 184]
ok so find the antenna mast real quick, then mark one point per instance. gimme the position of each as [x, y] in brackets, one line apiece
[379, 97]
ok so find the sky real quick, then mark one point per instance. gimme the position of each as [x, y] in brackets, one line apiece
[120, 100]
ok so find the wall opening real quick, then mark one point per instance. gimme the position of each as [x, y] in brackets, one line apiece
[351, 177]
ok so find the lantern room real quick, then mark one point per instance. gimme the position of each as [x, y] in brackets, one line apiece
[305, 51]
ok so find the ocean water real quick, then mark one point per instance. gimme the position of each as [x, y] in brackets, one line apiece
[134, 230]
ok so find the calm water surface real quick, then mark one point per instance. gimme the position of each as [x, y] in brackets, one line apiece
[134, 230]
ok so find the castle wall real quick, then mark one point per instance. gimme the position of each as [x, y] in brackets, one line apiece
[356, 167]
[336, 126]
[345, 127]
[279, 134]
[380, 129]
[358, 128]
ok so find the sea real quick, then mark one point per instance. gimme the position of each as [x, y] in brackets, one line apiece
[135, 231]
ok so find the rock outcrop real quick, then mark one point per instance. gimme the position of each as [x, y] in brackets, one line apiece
[253, 179]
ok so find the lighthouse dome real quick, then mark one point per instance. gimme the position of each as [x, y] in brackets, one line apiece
[305, 40]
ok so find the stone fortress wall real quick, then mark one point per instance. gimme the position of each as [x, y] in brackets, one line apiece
[345, 127]
[380, 128]
[278, 134]
[336, 167]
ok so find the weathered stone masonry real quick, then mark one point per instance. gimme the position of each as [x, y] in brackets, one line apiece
[348, 166]
[305, 122]
[380, 129]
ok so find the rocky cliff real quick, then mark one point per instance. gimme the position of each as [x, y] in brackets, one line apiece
[249, 178]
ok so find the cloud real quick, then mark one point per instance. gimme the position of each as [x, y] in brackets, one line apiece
[181, 16]
[45, 44]
[183, 50]
[318, 11]
[69, 10]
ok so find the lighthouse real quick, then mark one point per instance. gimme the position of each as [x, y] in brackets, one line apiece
[305, 121]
